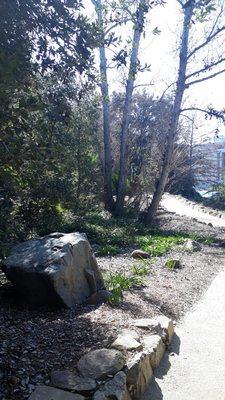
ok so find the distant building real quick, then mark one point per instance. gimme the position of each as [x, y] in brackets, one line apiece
[209, 164]
[221, 163]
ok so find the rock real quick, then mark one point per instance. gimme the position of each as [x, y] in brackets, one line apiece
[71, 381]
[59, 268]
[49, 393]
[99, 395]
[127, 341]
[140, 254]
[115, 388]
[102, 296]
[101, 363]
[139, 375]
[90, 276]
[210, 224]
[192, 245]
[154, 346]
[161, 325]
[147, 323]
[167, 326]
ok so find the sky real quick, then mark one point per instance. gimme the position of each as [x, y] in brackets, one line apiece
[161, 52]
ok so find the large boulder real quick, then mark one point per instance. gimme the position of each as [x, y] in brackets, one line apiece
[58, 268]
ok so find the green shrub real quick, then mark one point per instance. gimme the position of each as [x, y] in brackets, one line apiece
[108, 250]
[140, 269]
[117, 283]
[113, 234]
[208, 240]
[172, 264]
[160, 244]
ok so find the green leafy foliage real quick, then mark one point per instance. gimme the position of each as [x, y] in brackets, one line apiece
[208, 240]
[140, 269]
[217, 200]
[172, 264]
[103, 229]
[45, 159]
[46, 114]
[160, 244]
[117, 283]
[108, 250]
[203, 11]
[113, 235]
[32, 36]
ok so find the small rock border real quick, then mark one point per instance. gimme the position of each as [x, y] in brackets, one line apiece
[123, 372]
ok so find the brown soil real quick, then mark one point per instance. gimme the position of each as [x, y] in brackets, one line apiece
[33, 342]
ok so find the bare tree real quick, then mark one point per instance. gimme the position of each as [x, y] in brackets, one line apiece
[108, 194]
[190, 8]
[106, 30]
[133, 69]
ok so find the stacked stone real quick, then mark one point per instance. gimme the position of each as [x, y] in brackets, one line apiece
[122, 372]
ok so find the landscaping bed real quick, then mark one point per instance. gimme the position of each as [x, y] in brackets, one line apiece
[34, 341]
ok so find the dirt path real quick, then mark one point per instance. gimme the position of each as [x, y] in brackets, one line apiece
[195, 367]
[183, 207]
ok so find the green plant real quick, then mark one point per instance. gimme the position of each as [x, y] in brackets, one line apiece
[160, 244]
[172, 264]
[107, 250]
[140, 269]
[117, 283]
[111, 234]
[208, 240]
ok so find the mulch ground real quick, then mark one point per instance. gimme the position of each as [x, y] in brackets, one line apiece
[35, 341]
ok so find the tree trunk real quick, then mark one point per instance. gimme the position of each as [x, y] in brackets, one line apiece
[180, 88]
[79, 169]
[106, 132]
[138, 28]
[191, 145]
[108, 195]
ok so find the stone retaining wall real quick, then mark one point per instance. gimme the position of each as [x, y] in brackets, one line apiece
[122, 372]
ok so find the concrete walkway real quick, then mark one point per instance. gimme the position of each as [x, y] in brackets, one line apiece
[181, 206]
[195, 367]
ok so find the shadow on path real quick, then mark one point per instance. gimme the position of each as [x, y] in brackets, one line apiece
[154, 392]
